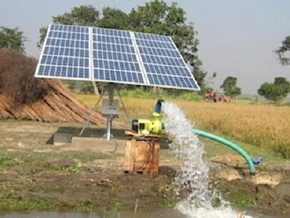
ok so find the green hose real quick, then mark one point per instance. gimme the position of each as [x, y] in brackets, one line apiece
[229, 144]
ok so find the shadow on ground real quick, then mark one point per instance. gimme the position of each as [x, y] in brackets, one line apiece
[67, 132]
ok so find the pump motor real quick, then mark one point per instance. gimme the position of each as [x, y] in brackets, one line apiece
[146, 126]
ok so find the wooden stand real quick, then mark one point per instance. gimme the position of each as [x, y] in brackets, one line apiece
[142, 154]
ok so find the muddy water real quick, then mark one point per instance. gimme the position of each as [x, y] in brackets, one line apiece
[139, 214]
[168, 213]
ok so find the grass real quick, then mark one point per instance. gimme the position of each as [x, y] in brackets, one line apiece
[20, 190]
[14, 202]
[240, 197]
[213, 149]
[28, 161]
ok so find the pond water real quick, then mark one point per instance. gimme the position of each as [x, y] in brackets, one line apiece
[166, 213]
[125, 214]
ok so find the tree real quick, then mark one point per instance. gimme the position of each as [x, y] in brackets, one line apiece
[206, 88]
[275, 91]
[83, 16]
[12, 39]
[230, 88]
[114, 18]
[42, 33]
[283, 50]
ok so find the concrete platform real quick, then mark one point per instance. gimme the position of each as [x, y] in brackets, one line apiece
[62, 138]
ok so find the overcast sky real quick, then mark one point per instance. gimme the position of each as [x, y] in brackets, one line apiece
[237, 37]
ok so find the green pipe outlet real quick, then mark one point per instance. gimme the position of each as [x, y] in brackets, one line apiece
[230, 144]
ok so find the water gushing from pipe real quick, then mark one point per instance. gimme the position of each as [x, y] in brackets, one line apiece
[193, 177]
[194, 173]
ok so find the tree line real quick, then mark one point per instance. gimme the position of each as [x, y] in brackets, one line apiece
[160, 18]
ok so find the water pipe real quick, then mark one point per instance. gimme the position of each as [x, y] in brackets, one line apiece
[230, 145]
[158, 105]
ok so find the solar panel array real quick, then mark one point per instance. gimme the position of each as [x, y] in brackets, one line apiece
[108, 55]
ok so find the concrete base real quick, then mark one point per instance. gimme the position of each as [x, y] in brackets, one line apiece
[62, 138]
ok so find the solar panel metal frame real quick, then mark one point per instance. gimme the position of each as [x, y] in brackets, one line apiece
[102, 46]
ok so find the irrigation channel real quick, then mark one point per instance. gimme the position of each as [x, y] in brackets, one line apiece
[193, 178]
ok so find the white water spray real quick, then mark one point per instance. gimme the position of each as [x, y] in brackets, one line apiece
[193, 177]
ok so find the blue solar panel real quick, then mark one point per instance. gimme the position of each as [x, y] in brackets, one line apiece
[114, 57]
[163, 63]
[108, 55]
[65, 53]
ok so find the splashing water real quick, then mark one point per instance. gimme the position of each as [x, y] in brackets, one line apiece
[186, 146]
[194, 173]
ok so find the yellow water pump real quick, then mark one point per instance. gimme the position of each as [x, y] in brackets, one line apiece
[149, 126]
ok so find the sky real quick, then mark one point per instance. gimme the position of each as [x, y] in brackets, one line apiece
[236, 37]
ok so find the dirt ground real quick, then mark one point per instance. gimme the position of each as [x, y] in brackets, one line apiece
[87, 173]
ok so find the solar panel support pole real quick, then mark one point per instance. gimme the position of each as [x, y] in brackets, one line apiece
[108, 134]
[95, 88]
[109, 127]
[90, 116]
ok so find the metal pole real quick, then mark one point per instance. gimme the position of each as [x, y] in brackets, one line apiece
[95, 88]
[90, 116]
[109, 127]
[110, 117]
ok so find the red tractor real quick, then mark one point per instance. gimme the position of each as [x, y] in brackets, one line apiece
[216, 97]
